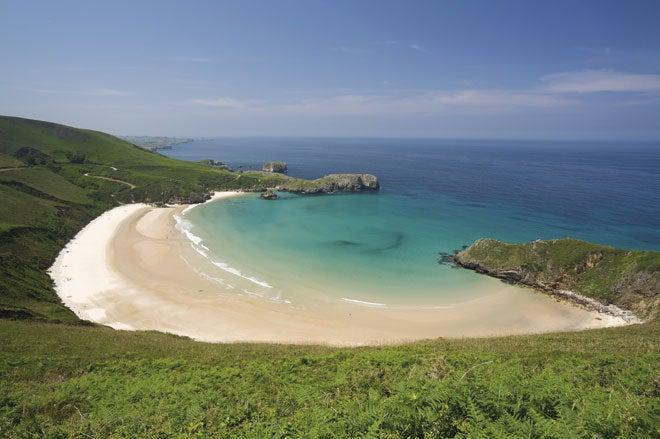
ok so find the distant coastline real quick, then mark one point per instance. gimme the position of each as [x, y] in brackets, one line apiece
[155, 143]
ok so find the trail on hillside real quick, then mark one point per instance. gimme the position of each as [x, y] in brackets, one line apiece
[131, 185]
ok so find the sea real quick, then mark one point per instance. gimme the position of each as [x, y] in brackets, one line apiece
[436, 196]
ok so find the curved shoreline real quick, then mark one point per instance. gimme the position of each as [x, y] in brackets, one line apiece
[131, 268]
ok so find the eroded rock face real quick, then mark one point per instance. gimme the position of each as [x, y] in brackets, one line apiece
[215, 164]
[575, 270]
[333, 183]
[351, 182]
[279, 167]
[268, 194]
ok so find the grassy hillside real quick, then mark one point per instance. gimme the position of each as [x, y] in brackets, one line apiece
[9, 162]
[60, 381]
[630, 279]
[51, 186]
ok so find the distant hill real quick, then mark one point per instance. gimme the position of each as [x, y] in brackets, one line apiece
[55, 178]
[154, 143]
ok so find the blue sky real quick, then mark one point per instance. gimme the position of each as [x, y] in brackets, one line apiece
[475, 69]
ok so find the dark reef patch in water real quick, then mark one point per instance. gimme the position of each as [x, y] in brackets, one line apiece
[345, 243]
[447, 258]
[396, 242]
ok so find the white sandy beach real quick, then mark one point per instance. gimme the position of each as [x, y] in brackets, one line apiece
[131, 268]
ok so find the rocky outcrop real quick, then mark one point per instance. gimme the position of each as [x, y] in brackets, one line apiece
[268, 194]
[618, 282]
[215, 164]
[178, 199]
[32, 156]
[278, 167]
[332, 183]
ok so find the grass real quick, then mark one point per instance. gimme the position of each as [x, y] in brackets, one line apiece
[50, 198]
[598, 271]
[47, 183]
[20, 209]
[61, 377]
[60, 380]
[9, 162]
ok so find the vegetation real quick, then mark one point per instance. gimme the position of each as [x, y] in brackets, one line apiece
[331, 183]
[630, 279]
[59, 380]
[9, 162]
[275, 166]
[61, 377]
[48, 193]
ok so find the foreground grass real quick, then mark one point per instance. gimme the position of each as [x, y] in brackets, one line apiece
[60, 380]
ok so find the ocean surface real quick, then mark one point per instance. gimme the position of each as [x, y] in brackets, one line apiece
[436, 196]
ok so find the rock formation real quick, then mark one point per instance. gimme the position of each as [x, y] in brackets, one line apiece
[593, 275]
[279, 167]
[268, 194]
[332, 183]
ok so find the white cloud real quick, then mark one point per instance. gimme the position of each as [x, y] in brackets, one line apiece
[594, 81]
[418, 48]
[562, 90]
[441, 102]
[500, 98]
[219, 103]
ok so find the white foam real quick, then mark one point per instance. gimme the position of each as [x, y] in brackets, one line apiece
[228, 268]
[408, 307]
[363, 302]
[200, 251]
[185, 226]
[216, 196]
[184, 211]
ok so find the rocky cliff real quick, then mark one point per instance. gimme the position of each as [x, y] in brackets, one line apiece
[598, 274]
[279, 167]
[332, 183]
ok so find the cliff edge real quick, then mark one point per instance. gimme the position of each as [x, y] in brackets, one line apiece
[580, 271]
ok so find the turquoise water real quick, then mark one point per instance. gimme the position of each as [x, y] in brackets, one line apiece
[344, 246]
[383, 247]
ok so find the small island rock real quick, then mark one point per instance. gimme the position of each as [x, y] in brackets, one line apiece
[278, 167]
[332, 183]
[269, 194]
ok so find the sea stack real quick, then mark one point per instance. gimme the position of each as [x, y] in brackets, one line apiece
[278, 167]
[268, 194]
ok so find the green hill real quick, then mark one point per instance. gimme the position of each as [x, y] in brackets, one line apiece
[61, 377]
[628, 279]
[54, 179]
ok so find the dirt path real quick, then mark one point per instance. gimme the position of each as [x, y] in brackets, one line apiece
[131, 185]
